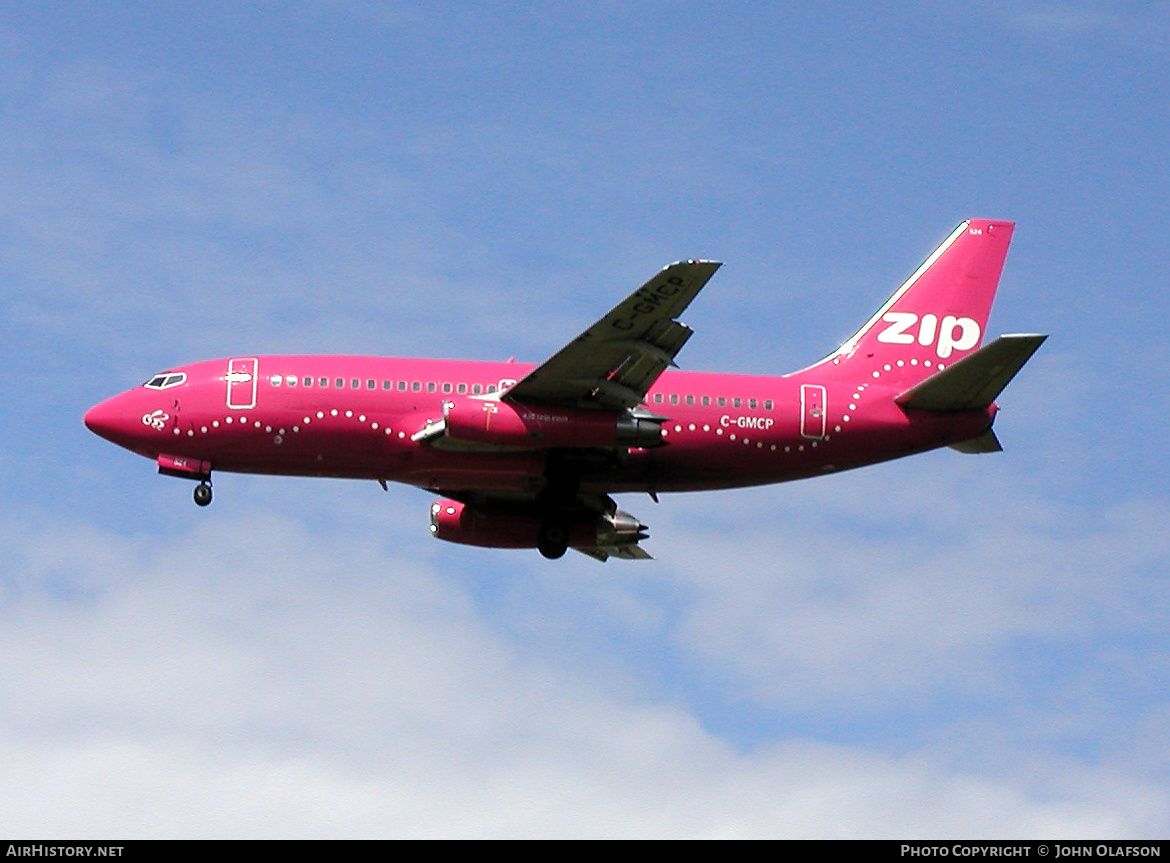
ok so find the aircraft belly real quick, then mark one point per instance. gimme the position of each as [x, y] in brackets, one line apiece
[436, 469]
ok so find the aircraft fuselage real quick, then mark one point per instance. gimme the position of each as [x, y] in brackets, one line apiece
[356, 417]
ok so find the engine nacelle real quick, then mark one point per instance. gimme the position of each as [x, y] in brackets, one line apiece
[509, 424]
[498, 527]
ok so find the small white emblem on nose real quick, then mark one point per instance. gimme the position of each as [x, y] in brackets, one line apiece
[156, 419]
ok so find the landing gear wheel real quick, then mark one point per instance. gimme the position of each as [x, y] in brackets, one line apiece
[203, 494]
[553, 540]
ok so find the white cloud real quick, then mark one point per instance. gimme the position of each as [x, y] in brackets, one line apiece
[911, 581]
[277, 680]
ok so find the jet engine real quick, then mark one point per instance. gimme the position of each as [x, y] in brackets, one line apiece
[501, 527]
[484, 422]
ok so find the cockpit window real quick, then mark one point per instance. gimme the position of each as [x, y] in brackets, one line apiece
[165, 380]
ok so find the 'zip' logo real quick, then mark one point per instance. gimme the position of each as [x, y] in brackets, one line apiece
[954, 334]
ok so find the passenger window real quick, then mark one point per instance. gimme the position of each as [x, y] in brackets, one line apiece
[767, 404]
[706, 401]
[355, 384]
[322, 382]
[291, 380]
[431, 387]
[371, 384]
[738, 403]
[307, 382]
[476, 389]
[416, 387]
[658, 398]
[491, 388]
[275, 380]
[402, 386]
[690, 400]
[462, 389]
[339, 383]
[722, 401]
[387, 385]
[673, 399]
[753, 404]
[446, 388]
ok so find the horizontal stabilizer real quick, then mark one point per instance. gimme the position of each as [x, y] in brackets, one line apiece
[975, 381]
[986, 442]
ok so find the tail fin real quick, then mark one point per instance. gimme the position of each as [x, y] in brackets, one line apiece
[938, 316]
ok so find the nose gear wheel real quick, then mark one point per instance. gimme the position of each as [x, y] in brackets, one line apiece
[203, 493]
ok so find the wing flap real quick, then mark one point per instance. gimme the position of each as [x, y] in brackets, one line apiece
[622, 552]
[649, 357]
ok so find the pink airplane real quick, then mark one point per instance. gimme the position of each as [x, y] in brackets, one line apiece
[528, 456]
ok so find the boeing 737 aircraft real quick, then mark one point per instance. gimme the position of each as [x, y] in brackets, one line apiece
[529, 456]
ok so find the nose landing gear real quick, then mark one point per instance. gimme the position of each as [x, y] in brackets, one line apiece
[185, 467]
[203, 493]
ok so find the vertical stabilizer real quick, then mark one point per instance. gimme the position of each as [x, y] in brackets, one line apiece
[938, 315]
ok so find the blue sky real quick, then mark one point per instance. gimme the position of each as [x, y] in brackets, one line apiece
[944, 646]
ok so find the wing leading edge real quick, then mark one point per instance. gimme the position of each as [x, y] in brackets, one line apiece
[613, 363]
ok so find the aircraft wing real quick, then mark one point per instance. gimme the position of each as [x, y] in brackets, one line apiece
[614, 362]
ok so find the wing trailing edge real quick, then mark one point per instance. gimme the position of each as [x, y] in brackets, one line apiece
[623, 552]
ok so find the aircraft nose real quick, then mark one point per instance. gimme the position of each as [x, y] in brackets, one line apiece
[106, 420]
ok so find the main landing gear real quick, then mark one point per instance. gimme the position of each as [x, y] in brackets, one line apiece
[203, 493]
[553, 539]
[554, 504]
